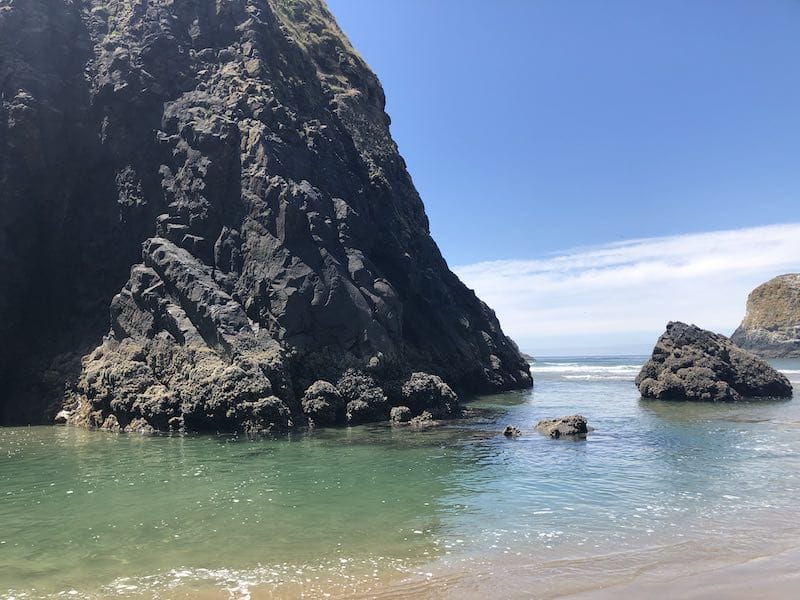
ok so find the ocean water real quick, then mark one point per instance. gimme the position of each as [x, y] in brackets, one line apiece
[456, 511]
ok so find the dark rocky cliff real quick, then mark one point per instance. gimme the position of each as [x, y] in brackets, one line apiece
[221, 175]
[771, 326]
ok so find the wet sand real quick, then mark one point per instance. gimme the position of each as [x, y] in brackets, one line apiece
[652, 573]
[768, 577]
[673, 572]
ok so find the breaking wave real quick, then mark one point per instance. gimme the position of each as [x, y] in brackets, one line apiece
[586, 371]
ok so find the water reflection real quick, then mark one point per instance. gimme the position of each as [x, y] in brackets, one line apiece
[681, 411]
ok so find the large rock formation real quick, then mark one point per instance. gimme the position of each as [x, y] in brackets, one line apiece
[689, 363]
[771, 325]
[222, 175]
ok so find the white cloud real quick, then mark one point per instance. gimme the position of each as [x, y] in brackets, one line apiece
[637, 285]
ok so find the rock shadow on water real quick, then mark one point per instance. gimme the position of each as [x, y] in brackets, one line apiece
[689, 411]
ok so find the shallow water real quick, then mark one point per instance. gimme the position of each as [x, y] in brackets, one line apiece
[452, 511]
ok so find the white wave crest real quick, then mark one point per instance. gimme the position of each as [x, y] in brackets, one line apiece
[577, 368]
[628, 377]
[577, 371]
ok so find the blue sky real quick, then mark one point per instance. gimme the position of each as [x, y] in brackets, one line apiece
[532, 128]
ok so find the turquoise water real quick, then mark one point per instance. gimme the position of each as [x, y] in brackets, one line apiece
[93, 514]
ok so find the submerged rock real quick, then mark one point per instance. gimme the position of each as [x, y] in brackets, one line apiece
[424, 421]
[571, 426]
[222, 174]
[689, 363]
[771, 326]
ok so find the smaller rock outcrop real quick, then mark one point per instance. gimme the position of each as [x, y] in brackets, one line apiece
[400, 415]
[511, 432]
[689, 363]
[424, 392]
[424, 421]
[771, 325]
[574, 426]
[181, 354]
[366, 402]
[323, 404]
[357, 398]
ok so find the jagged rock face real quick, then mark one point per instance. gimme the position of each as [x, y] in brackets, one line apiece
[232, 161]
[689, 363]
[771, 326]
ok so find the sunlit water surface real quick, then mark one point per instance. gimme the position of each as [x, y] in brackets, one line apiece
[380, 511]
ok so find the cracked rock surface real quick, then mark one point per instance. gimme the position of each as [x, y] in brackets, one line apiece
[219, 179]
